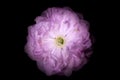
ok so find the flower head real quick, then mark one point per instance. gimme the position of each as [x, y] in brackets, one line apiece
[58, 41]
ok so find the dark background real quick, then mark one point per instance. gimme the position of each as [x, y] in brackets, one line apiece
[21, 14]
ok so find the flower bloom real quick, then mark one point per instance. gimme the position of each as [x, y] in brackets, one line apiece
[59, 41]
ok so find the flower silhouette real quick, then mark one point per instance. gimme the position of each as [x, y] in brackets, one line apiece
[58, 41]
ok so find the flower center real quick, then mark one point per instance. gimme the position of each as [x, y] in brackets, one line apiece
[59, 41]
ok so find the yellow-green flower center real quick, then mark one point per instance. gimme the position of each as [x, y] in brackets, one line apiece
[59, 41]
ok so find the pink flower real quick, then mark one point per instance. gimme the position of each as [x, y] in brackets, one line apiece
[58, 41]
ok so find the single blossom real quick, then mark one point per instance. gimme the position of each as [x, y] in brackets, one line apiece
[59, 41]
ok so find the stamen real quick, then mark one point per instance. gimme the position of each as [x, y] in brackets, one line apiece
[59, 41]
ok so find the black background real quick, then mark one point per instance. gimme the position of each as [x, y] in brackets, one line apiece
[21, 14]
